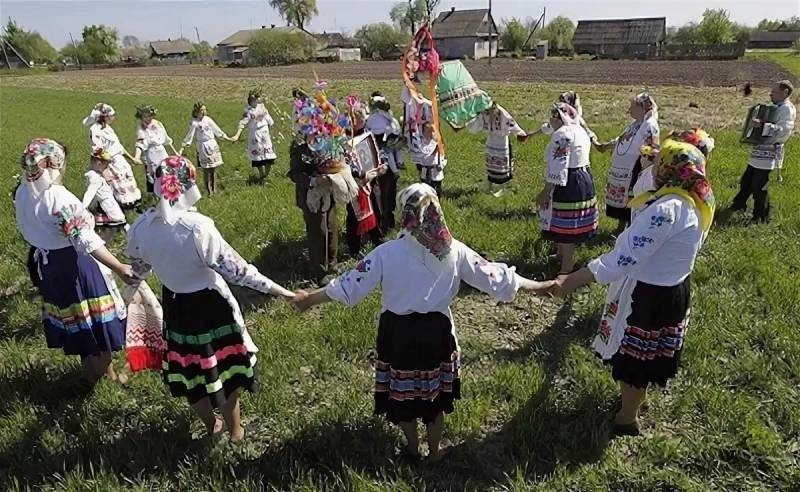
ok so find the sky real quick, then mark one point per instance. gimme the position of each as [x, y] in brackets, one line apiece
[214, 20]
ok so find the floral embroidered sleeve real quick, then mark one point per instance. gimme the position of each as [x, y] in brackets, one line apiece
[496, 279]
[352, 287]
[511, 126]
[649, 230]
[77, 225]
[223, 259]
[652, 134]
[557, 155]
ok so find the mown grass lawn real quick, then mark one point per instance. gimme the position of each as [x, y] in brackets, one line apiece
[537, 403]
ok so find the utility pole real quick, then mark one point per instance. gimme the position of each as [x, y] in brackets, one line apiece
[77, 57]
[491, 26]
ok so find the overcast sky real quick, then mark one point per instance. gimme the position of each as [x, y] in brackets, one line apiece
[215, 20]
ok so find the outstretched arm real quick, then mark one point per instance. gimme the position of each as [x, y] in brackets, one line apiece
[304, 301]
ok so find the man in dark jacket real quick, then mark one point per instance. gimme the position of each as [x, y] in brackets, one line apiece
[322, 229]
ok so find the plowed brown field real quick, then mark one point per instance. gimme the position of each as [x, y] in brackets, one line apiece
[644, 73]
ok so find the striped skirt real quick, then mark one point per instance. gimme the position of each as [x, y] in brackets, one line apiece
[206, 355]
[79, 312]
[572, 216]
[651, 347]
[416, 371]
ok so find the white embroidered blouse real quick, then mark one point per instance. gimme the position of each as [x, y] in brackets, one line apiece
[569, 148]
[659, 247]
[55, 219]
[99, 192]
[410, 283]
[106, 138]
[189, 256]
[204, 130]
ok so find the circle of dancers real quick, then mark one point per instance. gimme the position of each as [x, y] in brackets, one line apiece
[348, 153]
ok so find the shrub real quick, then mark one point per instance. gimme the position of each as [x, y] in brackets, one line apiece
[281, 48]
[381, 39]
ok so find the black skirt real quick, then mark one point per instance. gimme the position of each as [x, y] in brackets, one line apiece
[574, 209]
[263, 163]
[206, 355]
[416, 371]
[650, 352]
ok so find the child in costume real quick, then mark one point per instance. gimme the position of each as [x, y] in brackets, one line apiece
[206, 131]
[430, 161]
[151, 141]
[259, 141]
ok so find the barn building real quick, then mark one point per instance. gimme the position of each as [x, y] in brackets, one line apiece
[772, 40]
[177, 49]
[621, 38]
[465, 34]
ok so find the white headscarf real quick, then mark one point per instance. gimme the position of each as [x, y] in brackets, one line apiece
[100, 109]
[176, 188]
[573, 99]
[646, 101]
[43, 164]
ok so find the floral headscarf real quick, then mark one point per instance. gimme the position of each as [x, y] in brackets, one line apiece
[682, 171]
[566, 113]
[42, 162]
[144, 111]
[646, 101]
[572, 98]
[175, 186]
[697, 137]
[423, 220]
[99, 110]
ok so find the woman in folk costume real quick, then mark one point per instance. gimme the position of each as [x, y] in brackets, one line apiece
[259, 141]
[645, 319]
[119, 174]
[206, 131]
[82, 310]
[573, 99]
[498, 124]
[567, 204]
[386, 129]
[419, 274]
[625, 163]
[363, 212]
[144, 346]
[151, 139]
[210, 357]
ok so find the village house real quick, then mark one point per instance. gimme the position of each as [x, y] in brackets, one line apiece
[177, 49]
[771, 40]
[621, 38]
[334, 46]
[233, 49]
[465, 34]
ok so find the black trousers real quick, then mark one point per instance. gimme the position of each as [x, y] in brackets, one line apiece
[754, 182]
[388, 201]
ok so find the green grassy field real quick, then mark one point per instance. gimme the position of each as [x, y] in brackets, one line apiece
[537, 404]
[788, 59]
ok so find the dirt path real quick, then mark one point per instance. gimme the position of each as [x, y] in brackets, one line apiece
[643, 73]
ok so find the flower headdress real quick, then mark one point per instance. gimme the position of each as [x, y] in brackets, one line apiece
[143, 111]
[100, 110]
[323, 128]
[101, 154]
[196, 109]
[175, 186]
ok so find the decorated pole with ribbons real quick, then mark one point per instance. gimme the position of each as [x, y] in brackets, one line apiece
[420, 56]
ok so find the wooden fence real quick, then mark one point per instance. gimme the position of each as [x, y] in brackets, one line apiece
[725, 51]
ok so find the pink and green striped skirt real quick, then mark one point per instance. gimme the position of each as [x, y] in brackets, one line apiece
[206, 354]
